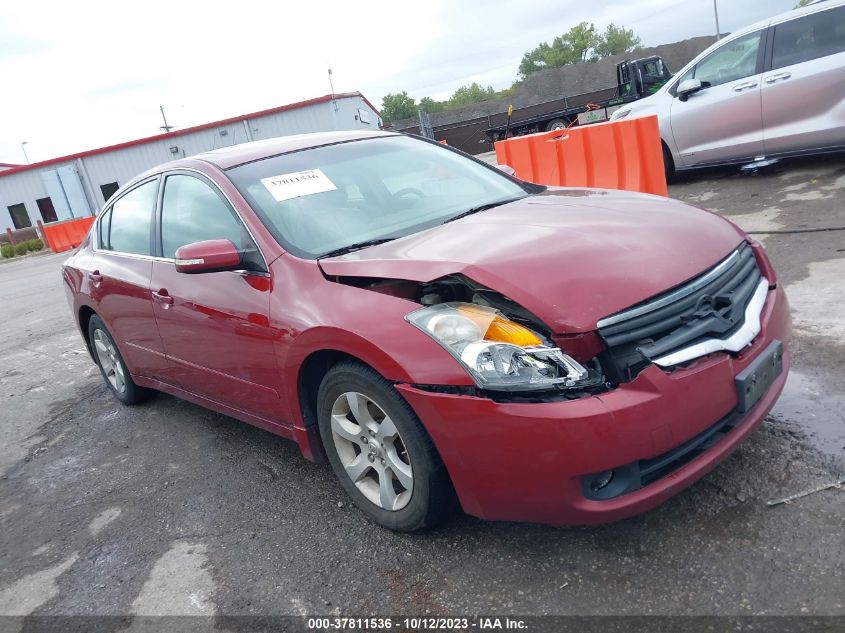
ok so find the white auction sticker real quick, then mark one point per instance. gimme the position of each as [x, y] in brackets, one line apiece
[298, 183]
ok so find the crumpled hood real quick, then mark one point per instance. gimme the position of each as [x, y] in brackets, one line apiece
[570, 256]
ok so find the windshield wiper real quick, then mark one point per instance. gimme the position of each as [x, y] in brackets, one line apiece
[483, 207]
[356, 246]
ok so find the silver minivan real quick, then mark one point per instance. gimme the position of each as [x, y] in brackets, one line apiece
[776, 88]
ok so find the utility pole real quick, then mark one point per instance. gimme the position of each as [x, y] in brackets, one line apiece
[164, 127]
[331, 87]
[716, 13]
[334, 103]
[23, 149]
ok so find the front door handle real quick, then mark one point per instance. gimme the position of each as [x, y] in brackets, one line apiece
[95, 277]
[163, 298]
[779, 77]
[745, 86]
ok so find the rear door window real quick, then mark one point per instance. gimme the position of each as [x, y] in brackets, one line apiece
[811, 37]
[129, 220]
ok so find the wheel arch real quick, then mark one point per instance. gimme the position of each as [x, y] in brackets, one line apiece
[83, 317]
[314, 353]
[311, 373]
[671, 169]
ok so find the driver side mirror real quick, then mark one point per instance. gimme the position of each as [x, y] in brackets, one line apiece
[510, 171]
[689, 87]
[209, 256]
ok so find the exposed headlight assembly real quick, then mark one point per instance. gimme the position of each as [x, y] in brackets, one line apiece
[498, 353]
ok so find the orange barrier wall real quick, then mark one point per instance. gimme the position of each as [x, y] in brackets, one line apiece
[623, 154]
[68, 234]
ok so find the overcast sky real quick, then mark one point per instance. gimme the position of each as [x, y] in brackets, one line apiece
[80, 75]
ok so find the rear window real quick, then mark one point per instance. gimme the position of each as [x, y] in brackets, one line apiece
[130, 219]
[813, 36]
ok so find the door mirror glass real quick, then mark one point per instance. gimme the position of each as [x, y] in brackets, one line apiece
[208, 256]
[688, 87]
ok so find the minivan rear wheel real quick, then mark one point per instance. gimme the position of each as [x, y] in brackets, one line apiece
[379, 451]
[111, 364]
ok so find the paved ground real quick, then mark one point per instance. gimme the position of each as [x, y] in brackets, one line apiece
[168, 508]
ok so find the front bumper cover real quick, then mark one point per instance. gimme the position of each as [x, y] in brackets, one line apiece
[526, 462]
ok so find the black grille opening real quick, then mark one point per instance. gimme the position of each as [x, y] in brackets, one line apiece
[711, 305]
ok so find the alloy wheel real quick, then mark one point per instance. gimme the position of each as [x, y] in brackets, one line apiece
[109, 361]
[371, 451]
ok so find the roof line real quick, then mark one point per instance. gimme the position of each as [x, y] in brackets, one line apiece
[188, 130]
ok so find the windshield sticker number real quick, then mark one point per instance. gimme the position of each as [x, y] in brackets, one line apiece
[298, 183]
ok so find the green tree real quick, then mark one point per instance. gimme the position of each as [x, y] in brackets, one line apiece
[534, 60]
[472, 93]
[617, 40]
[398, 106]
[583, 39]
[576, 45]
[803, 3]
[427, 104]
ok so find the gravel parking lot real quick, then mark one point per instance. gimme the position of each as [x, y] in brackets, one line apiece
[167, 508]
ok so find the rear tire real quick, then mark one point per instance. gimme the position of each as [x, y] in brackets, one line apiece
[111, 364]
[555, 124]
[380, 452]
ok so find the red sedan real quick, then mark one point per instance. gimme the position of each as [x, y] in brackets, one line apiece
[441, 332]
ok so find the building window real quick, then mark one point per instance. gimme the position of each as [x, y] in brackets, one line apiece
[20, 218]
[47, 210]
[108, 190]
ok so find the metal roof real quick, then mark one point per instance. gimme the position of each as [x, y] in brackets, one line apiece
[188, 130]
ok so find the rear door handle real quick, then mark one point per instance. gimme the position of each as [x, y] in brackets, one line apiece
[95, 276]
[162, 297]
[746, 86]
[779, 77]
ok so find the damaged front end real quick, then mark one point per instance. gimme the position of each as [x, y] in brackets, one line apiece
[509, 353]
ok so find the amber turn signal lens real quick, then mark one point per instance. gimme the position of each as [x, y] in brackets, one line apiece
[499, 329]
[505, 331]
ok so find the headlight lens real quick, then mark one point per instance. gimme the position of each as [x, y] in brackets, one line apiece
[498, 353]
[620, 114]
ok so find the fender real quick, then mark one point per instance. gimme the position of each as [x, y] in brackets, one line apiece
[414, 362]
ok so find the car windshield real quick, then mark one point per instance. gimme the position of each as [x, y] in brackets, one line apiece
[337, 197]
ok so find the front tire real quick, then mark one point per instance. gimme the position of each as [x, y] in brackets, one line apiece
[556, 124]
[668, 164]
[111, 364]
[380, 452]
